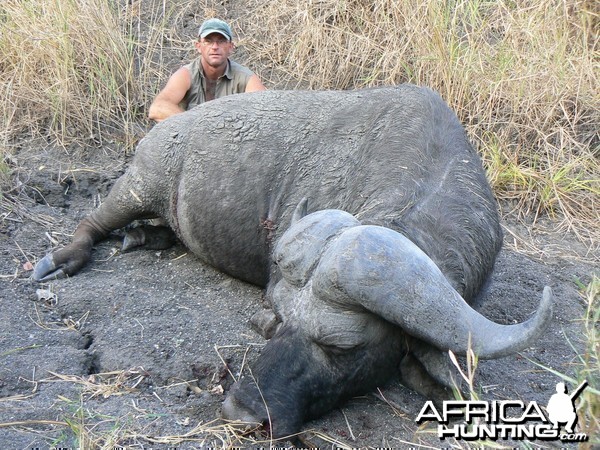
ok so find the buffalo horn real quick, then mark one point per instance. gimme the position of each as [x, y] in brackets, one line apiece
[384, 272]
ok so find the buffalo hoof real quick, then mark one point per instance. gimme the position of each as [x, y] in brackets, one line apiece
[150, 237]
[64, 262]
[47, 270]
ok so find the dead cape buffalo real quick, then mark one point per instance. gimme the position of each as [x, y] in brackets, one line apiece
[404, 234]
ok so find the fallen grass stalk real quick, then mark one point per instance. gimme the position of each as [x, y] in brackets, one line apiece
[27, 423]
[16, 398]
[335, 443]
[226, 433]
[398, 409]
[414, 444]
[67, 324]
[103, 384]
[19, 350]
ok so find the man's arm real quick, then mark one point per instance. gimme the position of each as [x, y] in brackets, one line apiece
[254, 84]
[167, 101]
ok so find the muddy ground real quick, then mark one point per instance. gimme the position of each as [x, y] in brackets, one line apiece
[170, 333]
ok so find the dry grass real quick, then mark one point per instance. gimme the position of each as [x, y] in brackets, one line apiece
[586, 365]
[81, 421]
[75, 70]
[589, 365]
[69, 76]
[105, 384]
[522, 77]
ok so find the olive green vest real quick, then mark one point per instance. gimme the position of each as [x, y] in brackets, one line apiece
[233, 81]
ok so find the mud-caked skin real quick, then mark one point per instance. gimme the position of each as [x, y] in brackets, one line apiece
[404, 235]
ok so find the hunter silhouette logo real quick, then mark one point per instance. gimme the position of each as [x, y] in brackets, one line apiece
[561, 407]
[507, 419]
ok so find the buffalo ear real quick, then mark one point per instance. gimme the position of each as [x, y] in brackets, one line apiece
[300, 211]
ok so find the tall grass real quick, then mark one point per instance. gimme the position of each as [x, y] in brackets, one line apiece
[522, 77]
[75, 70]
[588, 367]
[70, 76]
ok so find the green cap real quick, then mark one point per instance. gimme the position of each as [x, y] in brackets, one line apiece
[215, 26]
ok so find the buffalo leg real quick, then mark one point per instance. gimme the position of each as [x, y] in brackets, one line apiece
[128, 200]
[150, 237]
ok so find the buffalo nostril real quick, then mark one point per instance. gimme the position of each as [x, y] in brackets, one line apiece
[266, 427]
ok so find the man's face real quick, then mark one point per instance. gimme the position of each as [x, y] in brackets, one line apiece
[215, 49]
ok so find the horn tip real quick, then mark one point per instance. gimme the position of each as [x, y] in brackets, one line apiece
[300, 211]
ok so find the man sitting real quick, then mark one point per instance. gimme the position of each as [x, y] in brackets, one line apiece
[211, 75]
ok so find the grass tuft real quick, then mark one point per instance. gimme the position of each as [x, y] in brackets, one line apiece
[78, 71]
